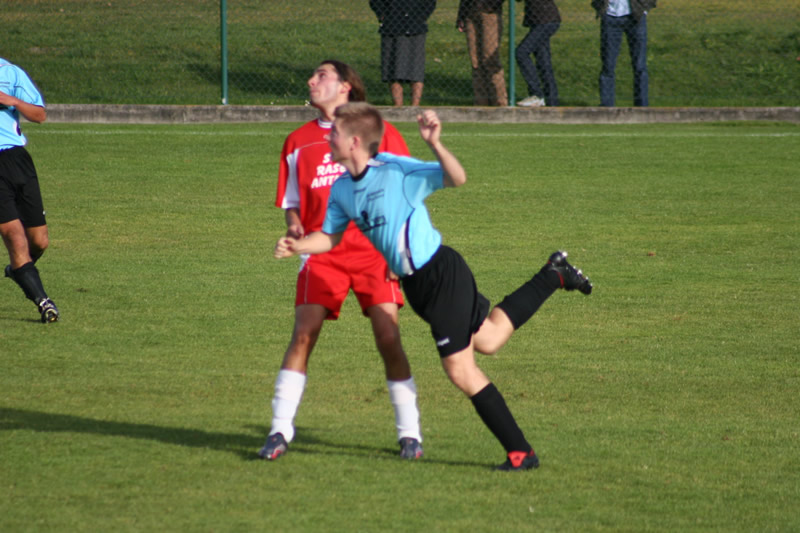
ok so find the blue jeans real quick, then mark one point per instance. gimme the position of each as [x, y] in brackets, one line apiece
[537, 42]
[611, 30]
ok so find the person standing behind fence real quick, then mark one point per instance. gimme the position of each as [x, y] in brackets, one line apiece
[482, 22]
[403, 29]
[628, 17]
[22, 219]
[543, 19]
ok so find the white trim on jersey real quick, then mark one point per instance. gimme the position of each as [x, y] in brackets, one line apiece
[405, 253]
[291, 196]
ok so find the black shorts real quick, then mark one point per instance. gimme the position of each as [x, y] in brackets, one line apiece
[20, 197]
[444, 294]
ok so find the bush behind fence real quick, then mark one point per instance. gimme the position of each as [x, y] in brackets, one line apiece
[710, 53]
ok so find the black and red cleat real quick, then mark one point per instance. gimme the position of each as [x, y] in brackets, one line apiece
[571, 278]
[520, 461]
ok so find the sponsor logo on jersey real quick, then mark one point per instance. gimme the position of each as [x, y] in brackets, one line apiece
[365, 224]
[327, 173]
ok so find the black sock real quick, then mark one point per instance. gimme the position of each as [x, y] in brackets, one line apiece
[27, 277]
[521, 304]
[494, 412]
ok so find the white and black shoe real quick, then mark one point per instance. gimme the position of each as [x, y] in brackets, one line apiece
[48, 310]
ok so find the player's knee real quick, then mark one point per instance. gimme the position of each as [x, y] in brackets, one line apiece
[38, 247]
[462, 376]
[488, 345]
[303, 341]
[387, 341]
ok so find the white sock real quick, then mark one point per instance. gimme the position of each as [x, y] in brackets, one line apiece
[403, 395]
[289, 387]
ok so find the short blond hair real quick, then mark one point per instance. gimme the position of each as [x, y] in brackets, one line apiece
[364, 121]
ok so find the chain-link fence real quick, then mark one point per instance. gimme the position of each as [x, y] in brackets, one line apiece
[709, 53]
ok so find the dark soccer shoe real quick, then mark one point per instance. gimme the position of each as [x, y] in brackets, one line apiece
[410, 448]
[48, 310]
[8, 272]
[571, 277]
[274, 447]
[520, 461]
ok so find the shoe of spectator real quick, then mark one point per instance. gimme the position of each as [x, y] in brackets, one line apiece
[532, 101]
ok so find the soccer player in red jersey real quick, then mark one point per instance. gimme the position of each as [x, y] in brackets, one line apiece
[304, 180]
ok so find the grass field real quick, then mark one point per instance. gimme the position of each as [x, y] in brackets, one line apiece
[665, 401]
[710, 53]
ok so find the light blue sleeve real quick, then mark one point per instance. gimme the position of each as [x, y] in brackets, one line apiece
[17, 83]
[421, 179]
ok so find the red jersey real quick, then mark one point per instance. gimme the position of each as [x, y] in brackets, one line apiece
[307, 172]
[304, 182]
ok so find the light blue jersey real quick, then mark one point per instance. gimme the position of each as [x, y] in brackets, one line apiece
[387, 205]
[14, 81]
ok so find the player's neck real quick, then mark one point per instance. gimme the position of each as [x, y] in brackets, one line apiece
[357, 163]
[326, 111]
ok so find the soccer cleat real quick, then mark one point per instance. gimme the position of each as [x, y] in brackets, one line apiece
[48, 310]
[410, 448]
[532, 101]
[275, 446]
[520, 461]
[8, 272]
[571, 277]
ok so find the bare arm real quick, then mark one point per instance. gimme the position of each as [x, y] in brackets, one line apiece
[294, 226]
[430, 129]
[32, 112]
[317, 242]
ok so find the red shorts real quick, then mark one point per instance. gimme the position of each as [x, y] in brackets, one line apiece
[326, 280]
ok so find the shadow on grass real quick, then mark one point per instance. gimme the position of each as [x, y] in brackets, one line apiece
[306, 442]
[245, 446]
[239, 444]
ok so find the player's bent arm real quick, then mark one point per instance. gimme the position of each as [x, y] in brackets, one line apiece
[32, 112]
[430, 130]
[294, 225]
[454, 173]
[317, 242]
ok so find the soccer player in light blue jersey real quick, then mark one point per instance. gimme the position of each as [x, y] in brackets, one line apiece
[384, 195]
[22, 219]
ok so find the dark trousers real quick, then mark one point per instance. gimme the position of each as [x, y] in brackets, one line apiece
[611, 30]
[537, 42]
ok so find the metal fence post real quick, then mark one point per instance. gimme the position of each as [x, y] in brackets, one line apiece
[223, 37]
[512, 97]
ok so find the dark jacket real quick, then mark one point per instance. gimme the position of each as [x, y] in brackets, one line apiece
[403, 17]
[540, 12]
[638, 7]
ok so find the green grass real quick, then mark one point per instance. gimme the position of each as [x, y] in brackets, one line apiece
[714, 53]
[665, 401]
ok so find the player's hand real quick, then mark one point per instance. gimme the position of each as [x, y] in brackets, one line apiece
[390, 275]
[296, 231]
[429, 126]
[284, 248]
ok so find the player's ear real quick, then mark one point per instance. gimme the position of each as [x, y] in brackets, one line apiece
[346, 87]
[355, 142]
